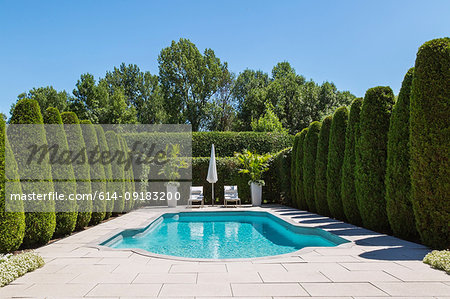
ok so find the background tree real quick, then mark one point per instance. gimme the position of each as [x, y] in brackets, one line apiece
[320, 182]
[188, 80]
[430, 142]
[348, 191]
[336, 152]
[371, 151]
[268, 122]
[47, 97]
[309, 163]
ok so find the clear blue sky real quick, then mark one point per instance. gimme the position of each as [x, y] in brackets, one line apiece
[356, 44]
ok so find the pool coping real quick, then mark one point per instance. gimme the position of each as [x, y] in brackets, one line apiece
[96, 243]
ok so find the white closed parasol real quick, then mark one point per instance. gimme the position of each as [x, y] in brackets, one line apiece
[212, 171]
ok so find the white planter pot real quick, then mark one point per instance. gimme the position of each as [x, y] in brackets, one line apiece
[256, 194]
[171, 193]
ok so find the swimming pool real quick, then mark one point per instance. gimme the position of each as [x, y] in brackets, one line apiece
[222, 235]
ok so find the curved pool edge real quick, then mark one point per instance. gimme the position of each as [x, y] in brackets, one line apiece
[259, 210]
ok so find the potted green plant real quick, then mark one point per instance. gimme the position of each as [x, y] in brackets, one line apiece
[170, 170]
[254, 165]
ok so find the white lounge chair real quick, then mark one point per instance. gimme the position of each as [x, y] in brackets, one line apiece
[196, 195]
[231, 195]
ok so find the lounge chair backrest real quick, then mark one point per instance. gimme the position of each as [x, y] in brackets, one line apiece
[230, 191]
[196, 192]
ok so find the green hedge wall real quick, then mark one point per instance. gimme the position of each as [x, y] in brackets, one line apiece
[226, 143]
[66, 216]
[117, 173]
[336, 150]
[309, 163]
[430, 142]
[39, 226]
[97, 173]
[299, 175]
[371, 154]
[348, 191]
[128, 176]
[76, 143]
[320, 189]
[12, 224]
[398, 179]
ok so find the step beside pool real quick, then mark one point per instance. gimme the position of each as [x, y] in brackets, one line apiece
[222, 235]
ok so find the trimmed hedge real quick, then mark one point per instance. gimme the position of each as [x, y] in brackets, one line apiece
[430, 142]
[277, 178]
[398, 180]
[117, 173]
[226, 143]
[294, 170]
[299, 176]
[320, 189]
[82, 173]
[128, 176]
[97, 173]
[108, 169]
[39, 226]
[309, 163]
[12, 224]
[371, 152]
[336, 150]
[66, 215]
[348, 191]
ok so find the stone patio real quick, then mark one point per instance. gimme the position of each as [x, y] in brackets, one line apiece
[372, 265]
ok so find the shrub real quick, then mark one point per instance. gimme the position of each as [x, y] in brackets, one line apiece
[117, 172]
[348, 191]
[430, 142]
[128, 177]
[371, 157]
[14, 266]
[299, 176]
[39, 226]
[108, 170]
[281, 162]
[81, 170]
[438, 260]
[66, 211]
[294, 169]
[226, 143]
[320, 190]
[309, 163]
[398, 180]
[12, 224]
[336, 150]
[97, 172]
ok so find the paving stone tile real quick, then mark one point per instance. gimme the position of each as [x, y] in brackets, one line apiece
[414, 288]
[87, 269]
[57, 290]
[13, 290]
[37, 277]
[212, 289]
[309, 267]
[342, 289]
[166, 278]
[330, 258]
[122, 289]
[110, 254]
[237, 277]
[104, 278]
[250, 267]
[275, 289]
[358, 276]
[293, 276]
[420, 275]
[184, 268]
[136, 268]
[75, 261]
[362, 266]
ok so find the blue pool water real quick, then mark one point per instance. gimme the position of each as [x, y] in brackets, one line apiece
[222, 235]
